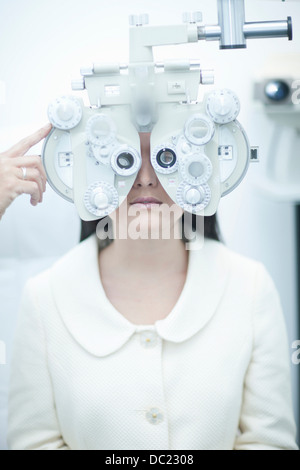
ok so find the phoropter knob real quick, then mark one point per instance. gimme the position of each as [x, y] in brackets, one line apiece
[65, 113]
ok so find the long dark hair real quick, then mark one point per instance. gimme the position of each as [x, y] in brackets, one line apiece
[211, 228]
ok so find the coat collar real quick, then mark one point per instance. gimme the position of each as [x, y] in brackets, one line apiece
[100, 329]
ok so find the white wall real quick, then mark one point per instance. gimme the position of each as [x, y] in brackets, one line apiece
[43, 46]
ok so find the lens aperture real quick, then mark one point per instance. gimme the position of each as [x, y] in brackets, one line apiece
[166, 158]
[199, 129]
[196, 169]
[125, 161]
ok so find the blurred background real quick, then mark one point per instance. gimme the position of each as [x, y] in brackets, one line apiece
[43, 46]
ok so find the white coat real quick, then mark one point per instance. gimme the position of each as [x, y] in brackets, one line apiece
[214, 374]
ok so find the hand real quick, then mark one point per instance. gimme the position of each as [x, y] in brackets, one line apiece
[12, 162]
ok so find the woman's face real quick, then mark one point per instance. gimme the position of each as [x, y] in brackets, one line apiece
[148, 208]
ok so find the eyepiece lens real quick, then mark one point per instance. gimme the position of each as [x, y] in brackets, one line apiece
[166, 158]
[125, 161]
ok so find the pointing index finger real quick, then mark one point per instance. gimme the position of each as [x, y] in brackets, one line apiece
[24, 145]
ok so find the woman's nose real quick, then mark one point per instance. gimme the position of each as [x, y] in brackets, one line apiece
[146, 176]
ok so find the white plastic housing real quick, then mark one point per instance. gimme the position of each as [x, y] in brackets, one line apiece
[78, 181]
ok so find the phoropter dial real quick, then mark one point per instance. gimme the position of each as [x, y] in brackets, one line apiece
[193, 198]
[101, 130]
[65, 113]
[223, 106]
[101, 199]
[196, 169]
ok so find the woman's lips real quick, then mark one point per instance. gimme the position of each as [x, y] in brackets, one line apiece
[146, 202]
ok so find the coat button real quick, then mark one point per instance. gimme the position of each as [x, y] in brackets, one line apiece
[148, 339]
[154, 416]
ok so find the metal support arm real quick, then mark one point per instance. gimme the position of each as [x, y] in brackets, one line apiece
[233, 30]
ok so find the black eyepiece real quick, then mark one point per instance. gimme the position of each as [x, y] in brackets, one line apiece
[166, 158]
[125, 161]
